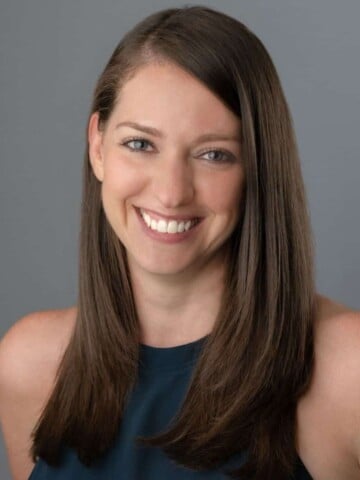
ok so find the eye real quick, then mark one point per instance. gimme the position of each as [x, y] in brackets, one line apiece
[219, 156]
[137, 143]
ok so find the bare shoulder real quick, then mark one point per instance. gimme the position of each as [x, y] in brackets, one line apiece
[334, 317]
[30, 353]
[35, 341]
[329, 413]
[337, 354]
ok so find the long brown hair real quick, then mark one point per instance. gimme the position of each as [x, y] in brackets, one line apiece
[258, 359]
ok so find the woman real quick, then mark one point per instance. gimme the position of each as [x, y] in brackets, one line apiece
[198, 333]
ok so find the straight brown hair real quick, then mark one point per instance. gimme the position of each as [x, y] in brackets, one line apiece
[258, 359]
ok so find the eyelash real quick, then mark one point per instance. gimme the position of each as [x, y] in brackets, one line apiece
[229, 156]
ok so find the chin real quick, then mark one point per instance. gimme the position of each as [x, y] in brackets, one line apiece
[163, 267]
[166, 270]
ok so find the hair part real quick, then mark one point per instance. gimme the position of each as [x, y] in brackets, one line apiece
[258, 360]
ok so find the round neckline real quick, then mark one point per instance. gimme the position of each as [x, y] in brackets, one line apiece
[169, 359]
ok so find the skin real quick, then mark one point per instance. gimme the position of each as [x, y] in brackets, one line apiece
[329, 413]
[179, 282]
[175, 175]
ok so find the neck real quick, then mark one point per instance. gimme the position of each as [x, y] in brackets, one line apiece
[177, 309]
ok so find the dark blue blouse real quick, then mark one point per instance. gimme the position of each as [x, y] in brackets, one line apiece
[164, 375]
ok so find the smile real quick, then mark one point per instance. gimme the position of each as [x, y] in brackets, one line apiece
[168, 226]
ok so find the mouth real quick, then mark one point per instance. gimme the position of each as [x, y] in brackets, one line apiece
[170, 226]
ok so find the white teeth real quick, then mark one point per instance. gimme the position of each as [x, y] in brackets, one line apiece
[167, 227]
[181, 227]
[161, 226]
[172, 227]
[147, 219]
[187, 225]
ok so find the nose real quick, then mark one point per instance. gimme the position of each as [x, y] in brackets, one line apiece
[173, 183]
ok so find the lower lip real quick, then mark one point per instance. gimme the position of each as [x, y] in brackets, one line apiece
[166, 237]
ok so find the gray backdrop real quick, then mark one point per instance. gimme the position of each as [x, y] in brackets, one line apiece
[51, 54]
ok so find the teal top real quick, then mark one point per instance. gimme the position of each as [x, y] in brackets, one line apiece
[164, 375]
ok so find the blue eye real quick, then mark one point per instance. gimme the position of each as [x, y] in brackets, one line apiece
[137, 142]
[221, 156]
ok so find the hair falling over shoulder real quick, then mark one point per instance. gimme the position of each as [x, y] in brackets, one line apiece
[258, 359]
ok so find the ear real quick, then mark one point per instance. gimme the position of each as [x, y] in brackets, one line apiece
[95, 146]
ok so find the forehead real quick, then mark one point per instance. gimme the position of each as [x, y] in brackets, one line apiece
[165, 94]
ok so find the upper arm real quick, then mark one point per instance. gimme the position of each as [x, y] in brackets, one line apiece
[22, 389]
[343, 380]
[30, 353]
[356, 320]
[328, 415]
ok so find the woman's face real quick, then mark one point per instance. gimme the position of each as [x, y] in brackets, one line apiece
[169, 161]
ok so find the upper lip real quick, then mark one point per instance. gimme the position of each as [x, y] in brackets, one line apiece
[159, 216]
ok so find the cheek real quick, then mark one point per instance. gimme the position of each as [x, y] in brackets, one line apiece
[224, 194]
[121, 184]
[121, 178]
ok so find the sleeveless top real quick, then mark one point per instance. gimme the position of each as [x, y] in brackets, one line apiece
[164, 375]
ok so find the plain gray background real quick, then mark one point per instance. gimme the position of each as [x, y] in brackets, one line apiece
[51, 55]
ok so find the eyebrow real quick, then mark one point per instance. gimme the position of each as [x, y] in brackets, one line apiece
[157, 133]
